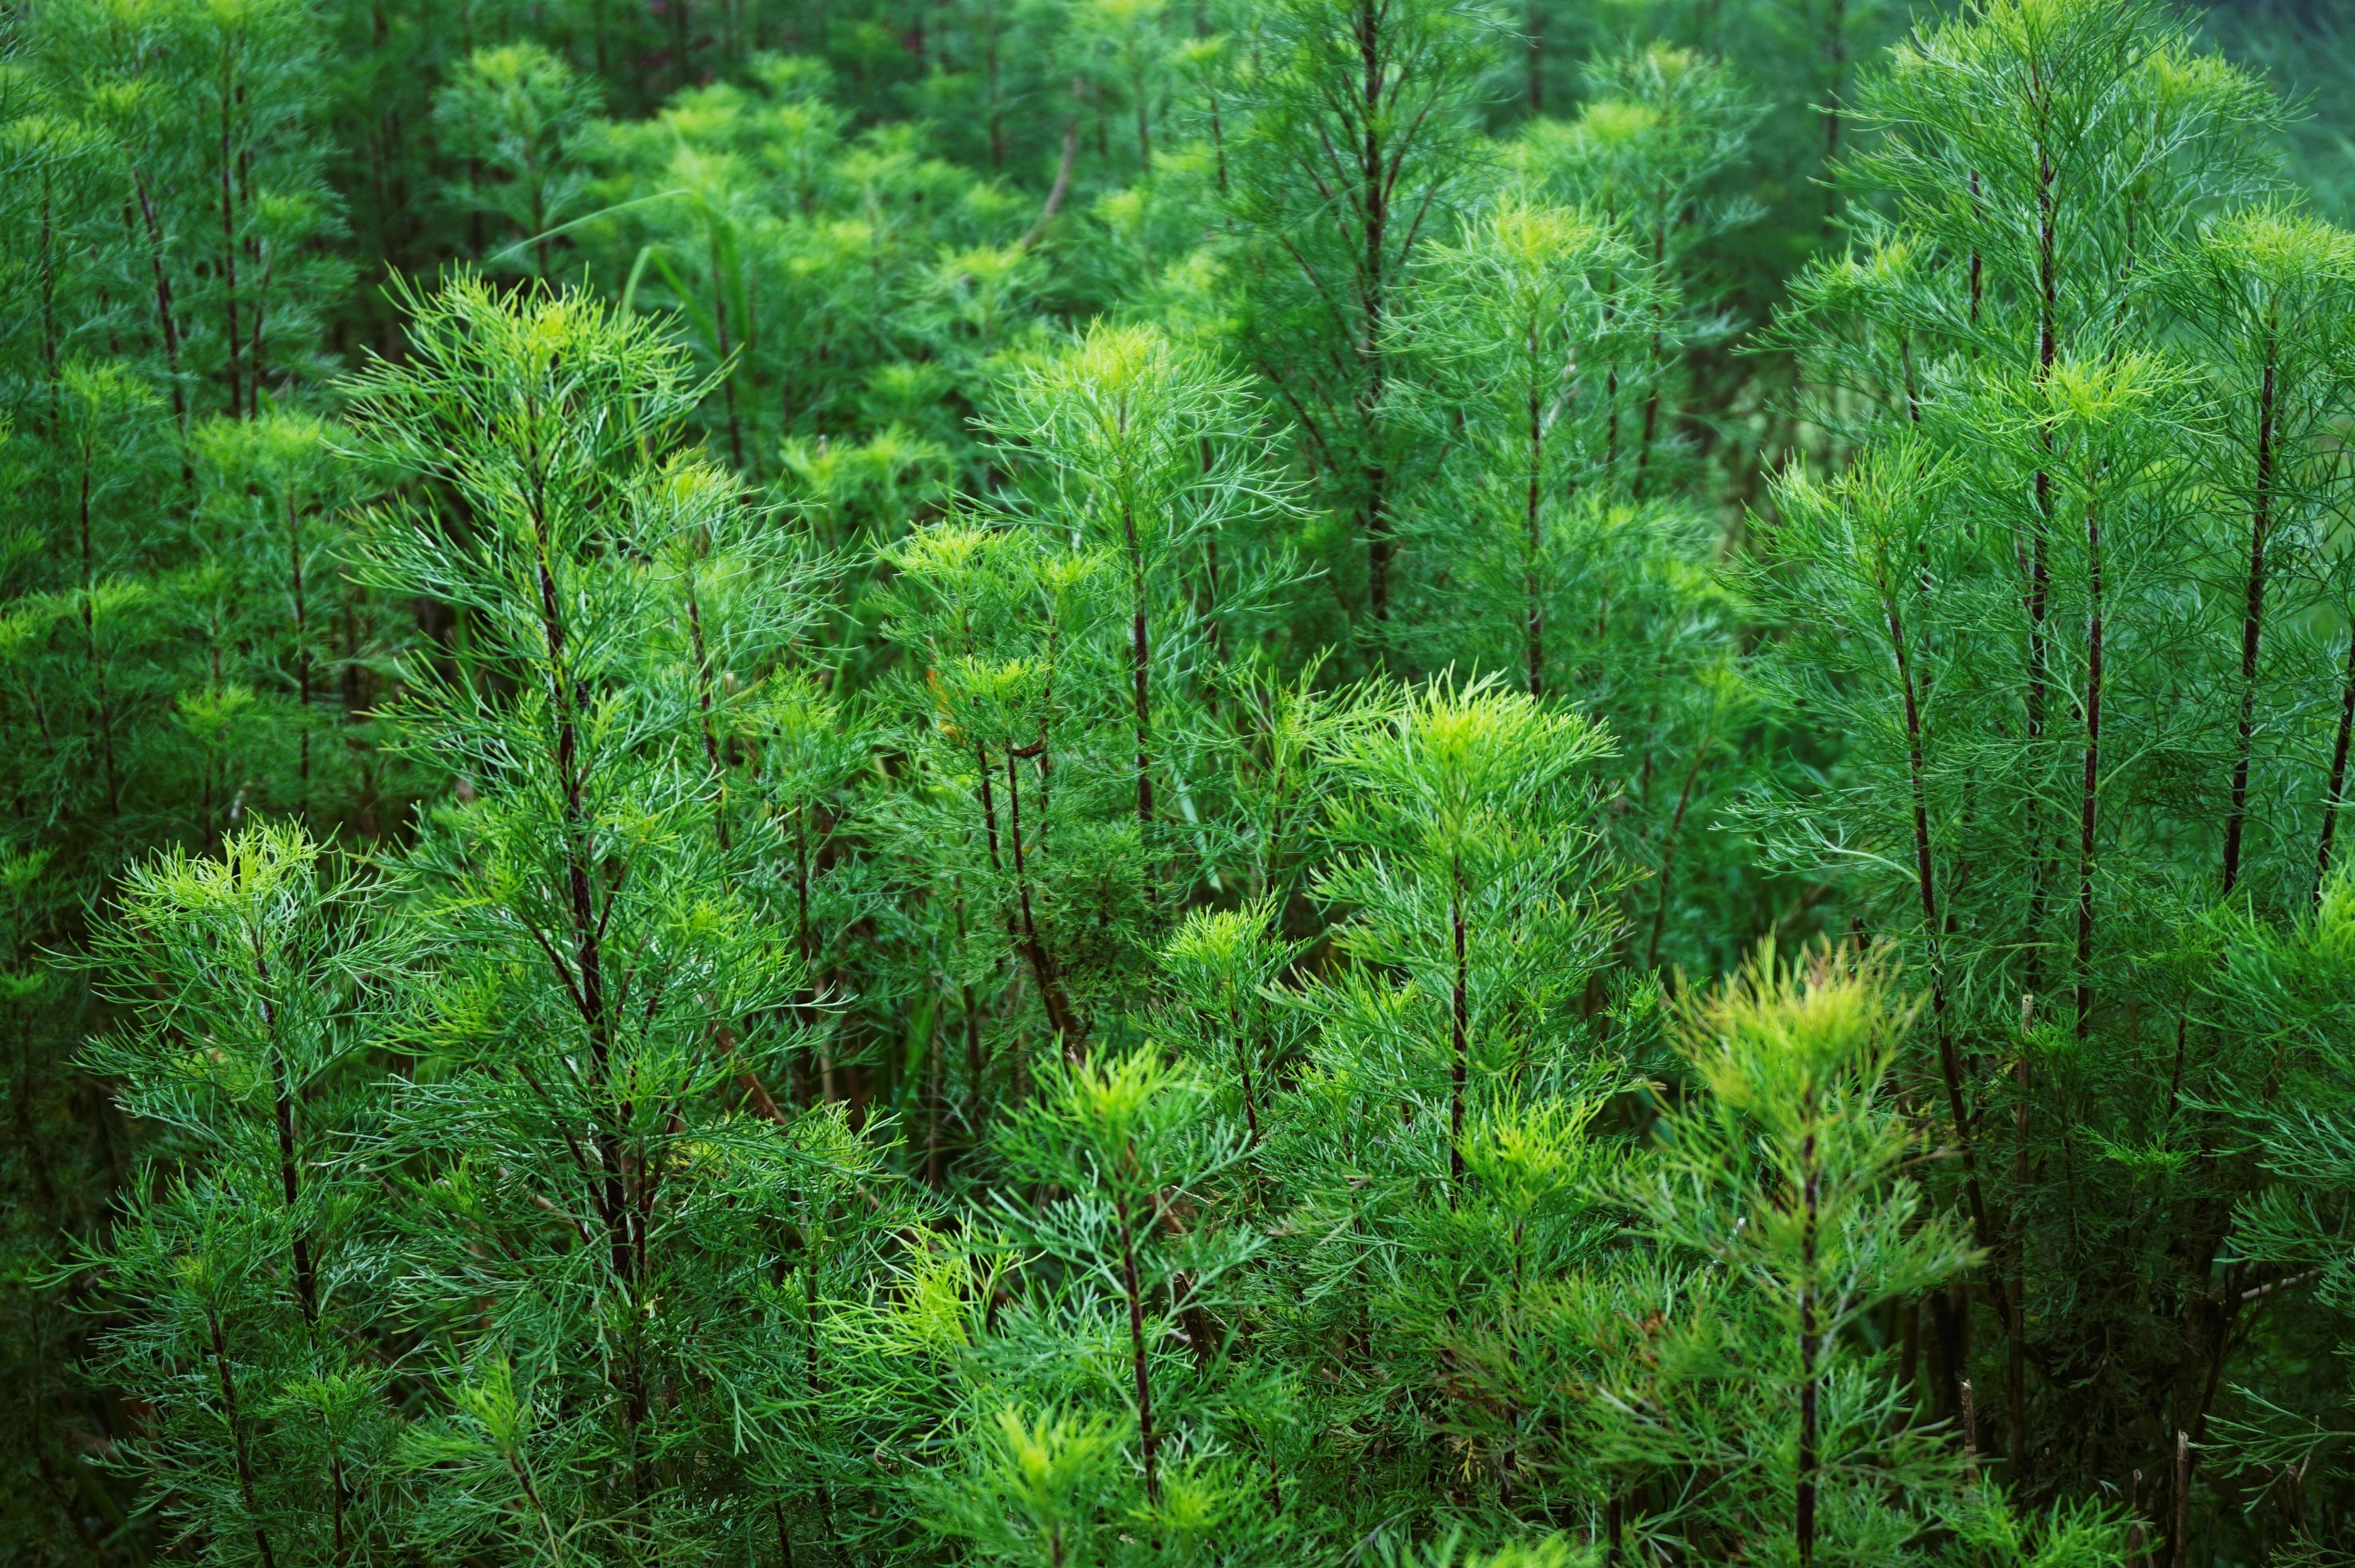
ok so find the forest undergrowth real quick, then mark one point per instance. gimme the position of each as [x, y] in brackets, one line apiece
[1264, 782]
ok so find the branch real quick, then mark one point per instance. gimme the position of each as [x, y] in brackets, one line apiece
[2258, 1291]
[1062, 183]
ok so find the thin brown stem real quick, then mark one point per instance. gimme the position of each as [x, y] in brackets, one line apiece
[1147, 1439]
[2253, 616]
[2335, 792]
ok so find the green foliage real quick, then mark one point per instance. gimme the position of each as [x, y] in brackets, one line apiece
[260, 989]
[1355, 146]
[1024, 782]
[1787, 1176]
[513, 114]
